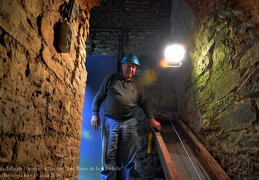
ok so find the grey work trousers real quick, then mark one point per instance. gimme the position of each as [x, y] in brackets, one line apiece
[119, 147]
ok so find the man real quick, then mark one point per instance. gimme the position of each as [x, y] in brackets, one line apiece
[122, 94]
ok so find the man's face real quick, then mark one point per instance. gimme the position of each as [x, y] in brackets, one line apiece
[128, 70]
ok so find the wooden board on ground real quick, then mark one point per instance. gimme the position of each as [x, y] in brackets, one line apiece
[183, 156]
[187, 166]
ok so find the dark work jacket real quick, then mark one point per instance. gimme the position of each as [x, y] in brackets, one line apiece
[121, 98]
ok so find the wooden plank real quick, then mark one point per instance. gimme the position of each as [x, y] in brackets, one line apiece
[205, 158]
[180, 159]
[165, 158]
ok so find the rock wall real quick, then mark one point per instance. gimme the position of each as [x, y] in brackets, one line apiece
[217, 86]
[41, 89]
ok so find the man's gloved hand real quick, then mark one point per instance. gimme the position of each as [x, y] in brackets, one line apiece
[155, 124]
[95, 121]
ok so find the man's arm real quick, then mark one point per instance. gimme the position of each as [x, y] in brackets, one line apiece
[98, 99]
[145, 105]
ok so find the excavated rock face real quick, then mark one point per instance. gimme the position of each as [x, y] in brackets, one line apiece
[217, 87]
[41, 89]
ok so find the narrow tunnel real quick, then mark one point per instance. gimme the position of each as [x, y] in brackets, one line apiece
[54, 55]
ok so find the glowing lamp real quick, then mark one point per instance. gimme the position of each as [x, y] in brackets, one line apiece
[174, 54]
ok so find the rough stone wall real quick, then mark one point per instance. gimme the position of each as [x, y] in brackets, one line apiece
[41, 89]
[142, 24]
[217, 87]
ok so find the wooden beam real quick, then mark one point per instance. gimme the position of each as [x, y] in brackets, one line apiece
[204, 157]
[165, 158]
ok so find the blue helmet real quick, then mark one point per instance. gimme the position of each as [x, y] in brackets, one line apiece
[130, 58]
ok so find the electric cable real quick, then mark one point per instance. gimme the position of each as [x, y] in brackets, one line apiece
[185, 150]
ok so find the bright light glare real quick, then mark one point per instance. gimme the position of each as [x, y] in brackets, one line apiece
[174, 53]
